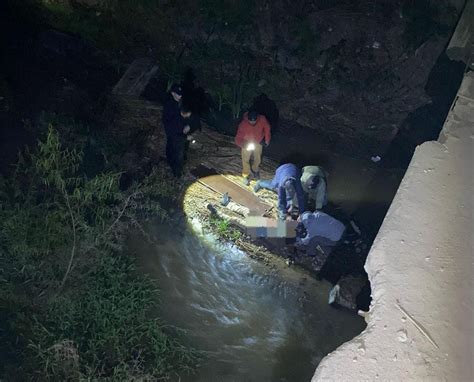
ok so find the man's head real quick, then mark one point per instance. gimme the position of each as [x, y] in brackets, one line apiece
[252, 117]
[290, 188]
[314, 182]
[301, 231]
[176, 92]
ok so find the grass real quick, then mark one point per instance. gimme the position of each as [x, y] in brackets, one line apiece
[107, 328]
[72, 305]
[224, 229]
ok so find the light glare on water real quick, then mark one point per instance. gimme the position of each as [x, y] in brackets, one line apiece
[254, 323]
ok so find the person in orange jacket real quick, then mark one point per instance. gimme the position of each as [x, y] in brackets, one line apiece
[253, 131]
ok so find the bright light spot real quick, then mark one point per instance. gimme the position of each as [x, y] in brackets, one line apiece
[251, 146]
[196, 225]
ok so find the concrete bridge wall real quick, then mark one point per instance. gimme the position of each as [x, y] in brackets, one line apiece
[421, 324]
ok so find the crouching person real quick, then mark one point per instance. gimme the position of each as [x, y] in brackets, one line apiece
[318, 232]
[286, 183]
[314, 183]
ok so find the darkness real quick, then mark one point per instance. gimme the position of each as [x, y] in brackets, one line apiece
[425, 123]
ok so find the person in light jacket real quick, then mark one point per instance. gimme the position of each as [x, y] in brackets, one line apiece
[314, 183]
[318, 232]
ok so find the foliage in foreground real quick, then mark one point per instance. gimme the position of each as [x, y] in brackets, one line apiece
[71, 304]
[224, 229]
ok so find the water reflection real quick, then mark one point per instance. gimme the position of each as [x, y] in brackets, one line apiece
[255, 323]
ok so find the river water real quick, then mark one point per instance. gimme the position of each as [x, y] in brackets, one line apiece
[253, 322]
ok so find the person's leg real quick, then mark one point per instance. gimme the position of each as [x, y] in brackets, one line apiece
[169, 150]
[324, 245]
[246, 165]
[180, 147]
[171, 153]
[186, 149]
[257, 159]
[263, 183]
[246, 162]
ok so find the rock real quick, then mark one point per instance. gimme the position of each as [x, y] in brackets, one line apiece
[315, 263]
[345, 292]
[136, 78]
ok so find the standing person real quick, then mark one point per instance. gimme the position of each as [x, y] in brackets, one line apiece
[191, 119]
[179, 142]
[314, 185]
[171, 120]
[287, 184]
[253, 130]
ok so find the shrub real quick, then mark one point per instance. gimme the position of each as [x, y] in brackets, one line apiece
[72, 305]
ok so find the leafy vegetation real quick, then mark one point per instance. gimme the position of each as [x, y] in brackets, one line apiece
[72, 306]
[224, 229]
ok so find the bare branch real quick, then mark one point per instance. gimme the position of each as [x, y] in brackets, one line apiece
[73, 250]
[127, 201]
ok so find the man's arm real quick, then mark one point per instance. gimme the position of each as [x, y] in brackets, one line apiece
[321, 194]
[281, 203]
[266, 130]
[195, 123]
[239, 137]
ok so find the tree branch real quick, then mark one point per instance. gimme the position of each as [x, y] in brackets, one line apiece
[127, 201]
[73, 250]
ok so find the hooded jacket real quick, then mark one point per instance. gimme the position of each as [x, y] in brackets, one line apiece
[322, 229]
[321, 224]
[253, 133]
[282, 174]
[319, 194]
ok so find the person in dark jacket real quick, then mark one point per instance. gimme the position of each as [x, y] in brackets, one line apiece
[192, 120]
[171, 119]
[176, 128]
[287, 184]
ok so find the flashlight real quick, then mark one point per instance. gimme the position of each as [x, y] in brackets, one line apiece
[251, 146]
[193, 141]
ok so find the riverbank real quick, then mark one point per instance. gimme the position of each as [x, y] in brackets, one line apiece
[72, 305]
[251, 321]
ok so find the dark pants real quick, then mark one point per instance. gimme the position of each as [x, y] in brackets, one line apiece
[323, 245]
[267, 183]
[186, 149]
[175, 150]
[264, 183]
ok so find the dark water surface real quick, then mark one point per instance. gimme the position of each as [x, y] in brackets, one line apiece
[254, 322]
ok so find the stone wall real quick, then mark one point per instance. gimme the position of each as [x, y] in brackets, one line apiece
[420, 324]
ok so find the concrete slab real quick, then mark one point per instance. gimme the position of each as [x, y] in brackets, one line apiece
[460, 46]
[238, 194]
[136, 78]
